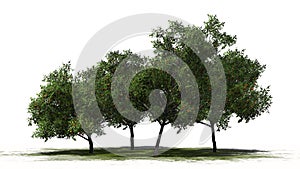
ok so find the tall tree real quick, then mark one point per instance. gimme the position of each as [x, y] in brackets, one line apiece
[245, 98]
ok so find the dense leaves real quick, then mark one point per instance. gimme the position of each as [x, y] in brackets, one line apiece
[245, 98]
[52, 110]
[104, 93]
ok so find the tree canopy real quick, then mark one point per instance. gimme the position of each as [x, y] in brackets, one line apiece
[104, 94]
[52, 110]
[245, 99]
[125, 100]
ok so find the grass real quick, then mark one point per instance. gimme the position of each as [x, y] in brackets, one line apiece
[175, 154]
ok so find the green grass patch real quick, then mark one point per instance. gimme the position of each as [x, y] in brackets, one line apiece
[175, 154]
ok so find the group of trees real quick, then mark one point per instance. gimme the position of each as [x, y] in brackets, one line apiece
[52, 110]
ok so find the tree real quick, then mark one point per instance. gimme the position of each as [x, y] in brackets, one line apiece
[52, 111]
[158, 90]
[244, 98]
[167, 96]
[177, 39]
[104, 93]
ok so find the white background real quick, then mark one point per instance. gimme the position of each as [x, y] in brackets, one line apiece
[36, 37]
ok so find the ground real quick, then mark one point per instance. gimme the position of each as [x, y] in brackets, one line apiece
[175, 154]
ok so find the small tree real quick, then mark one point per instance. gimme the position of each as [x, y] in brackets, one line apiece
[52, 111]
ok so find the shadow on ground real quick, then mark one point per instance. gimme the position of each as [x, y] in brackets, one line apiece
[142, 153]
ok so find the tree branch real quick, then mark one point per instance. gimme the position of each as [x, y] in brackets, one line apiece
[204, 124]
[82, 137]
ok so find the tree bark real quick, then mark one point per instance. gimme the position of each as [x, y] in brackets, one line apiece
[158, 139]
[213, 137]
[91, 149]
[131, 137]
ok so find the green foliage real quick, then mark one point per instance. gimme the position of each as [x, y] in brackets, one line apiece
[152, 79]
[213, 32]
[52, 110]
[245, 98]
[104, 77]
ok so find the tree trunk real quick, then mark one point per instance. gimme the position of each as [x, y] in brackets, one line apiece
[213, 137]
[91, 149]
[158, 139]
[131, 137]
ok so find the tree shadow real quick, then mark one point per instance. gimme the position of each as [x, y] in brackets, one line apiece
[74, 152]
[188, 152]
[143, 153]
